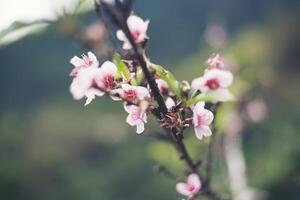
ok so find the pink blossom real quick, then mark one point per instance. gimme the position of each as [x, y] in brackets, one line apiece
[137, 117]
[191, 187]
[215, 62]
[133, 93]
[202, 118]
[214, 80]
[163, 87]
[138, 29]
[84, 85]
[86, 61]
[106, 79]
[91, 81]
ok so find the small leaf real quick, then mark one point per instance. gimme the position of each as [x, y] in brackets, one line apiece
[169, 78]
[122, 68]
[139, 76]
[212, 96]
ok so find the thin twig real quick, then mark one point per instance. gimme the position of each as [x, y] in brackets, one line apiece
[139, 56]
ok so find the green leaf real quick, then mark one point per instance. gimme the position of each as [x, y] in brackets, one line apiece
[212, 96]
[169, 78]
[122, 68]
[139, 76]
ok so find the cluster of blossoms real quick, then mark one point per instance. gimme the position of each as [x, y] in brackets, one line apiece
[126, 85]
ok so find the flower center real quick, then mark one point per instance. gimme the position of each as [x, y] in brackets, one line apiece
[190, 188]
[87, 60]
[199, 120]
[94, 84]
[136, 34]
[109, 81]
[130, 94]
[212, 84]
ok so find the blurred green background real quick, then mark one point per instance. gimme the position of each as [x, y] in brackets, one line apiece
[54, 148]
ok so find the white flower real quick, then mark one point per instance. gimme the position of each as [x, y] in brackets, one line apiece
[107, 76]
[92, 81]
[215, 62]
[86, 61]
[137, 117]
[138, 29]
[216, 82]
[133, 93]
[202, 118]
[84, 85]
[191, 187]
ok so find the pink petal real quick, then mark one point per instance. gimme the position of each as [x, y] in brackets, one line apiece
[127, 108]
[76, 61]
[126, 86]
[121, 36]
[140, 128]
[199, 107]
[136, 23]
[225, 78]
[201, 131]
[127, 45]
[77, 91]
[131, 121]
[88, 101]
[91, 93]
[161, 83]
[144, 118]
[194, 180]
[199, 84]
[109, 68]
[206, 131]
[198, 132]
[182, 189]
[142, 92]
[170, 103]
[208, 117]
[93, 58]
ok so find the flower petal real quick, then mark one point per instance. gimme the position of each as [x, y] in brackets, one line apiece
[77, 91]
[93, 58]
[76, 61]
[109, 68]
[127, 45]
[121, 36]
[225, 78]
[131, 121]
[126, 86]
[199, 107]
[208, 117]
[199, 84]
[140, 128]
[194, 180]
[198, 132]
[142, 92]
[203, 131]
[182, 189]
[170, 103]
